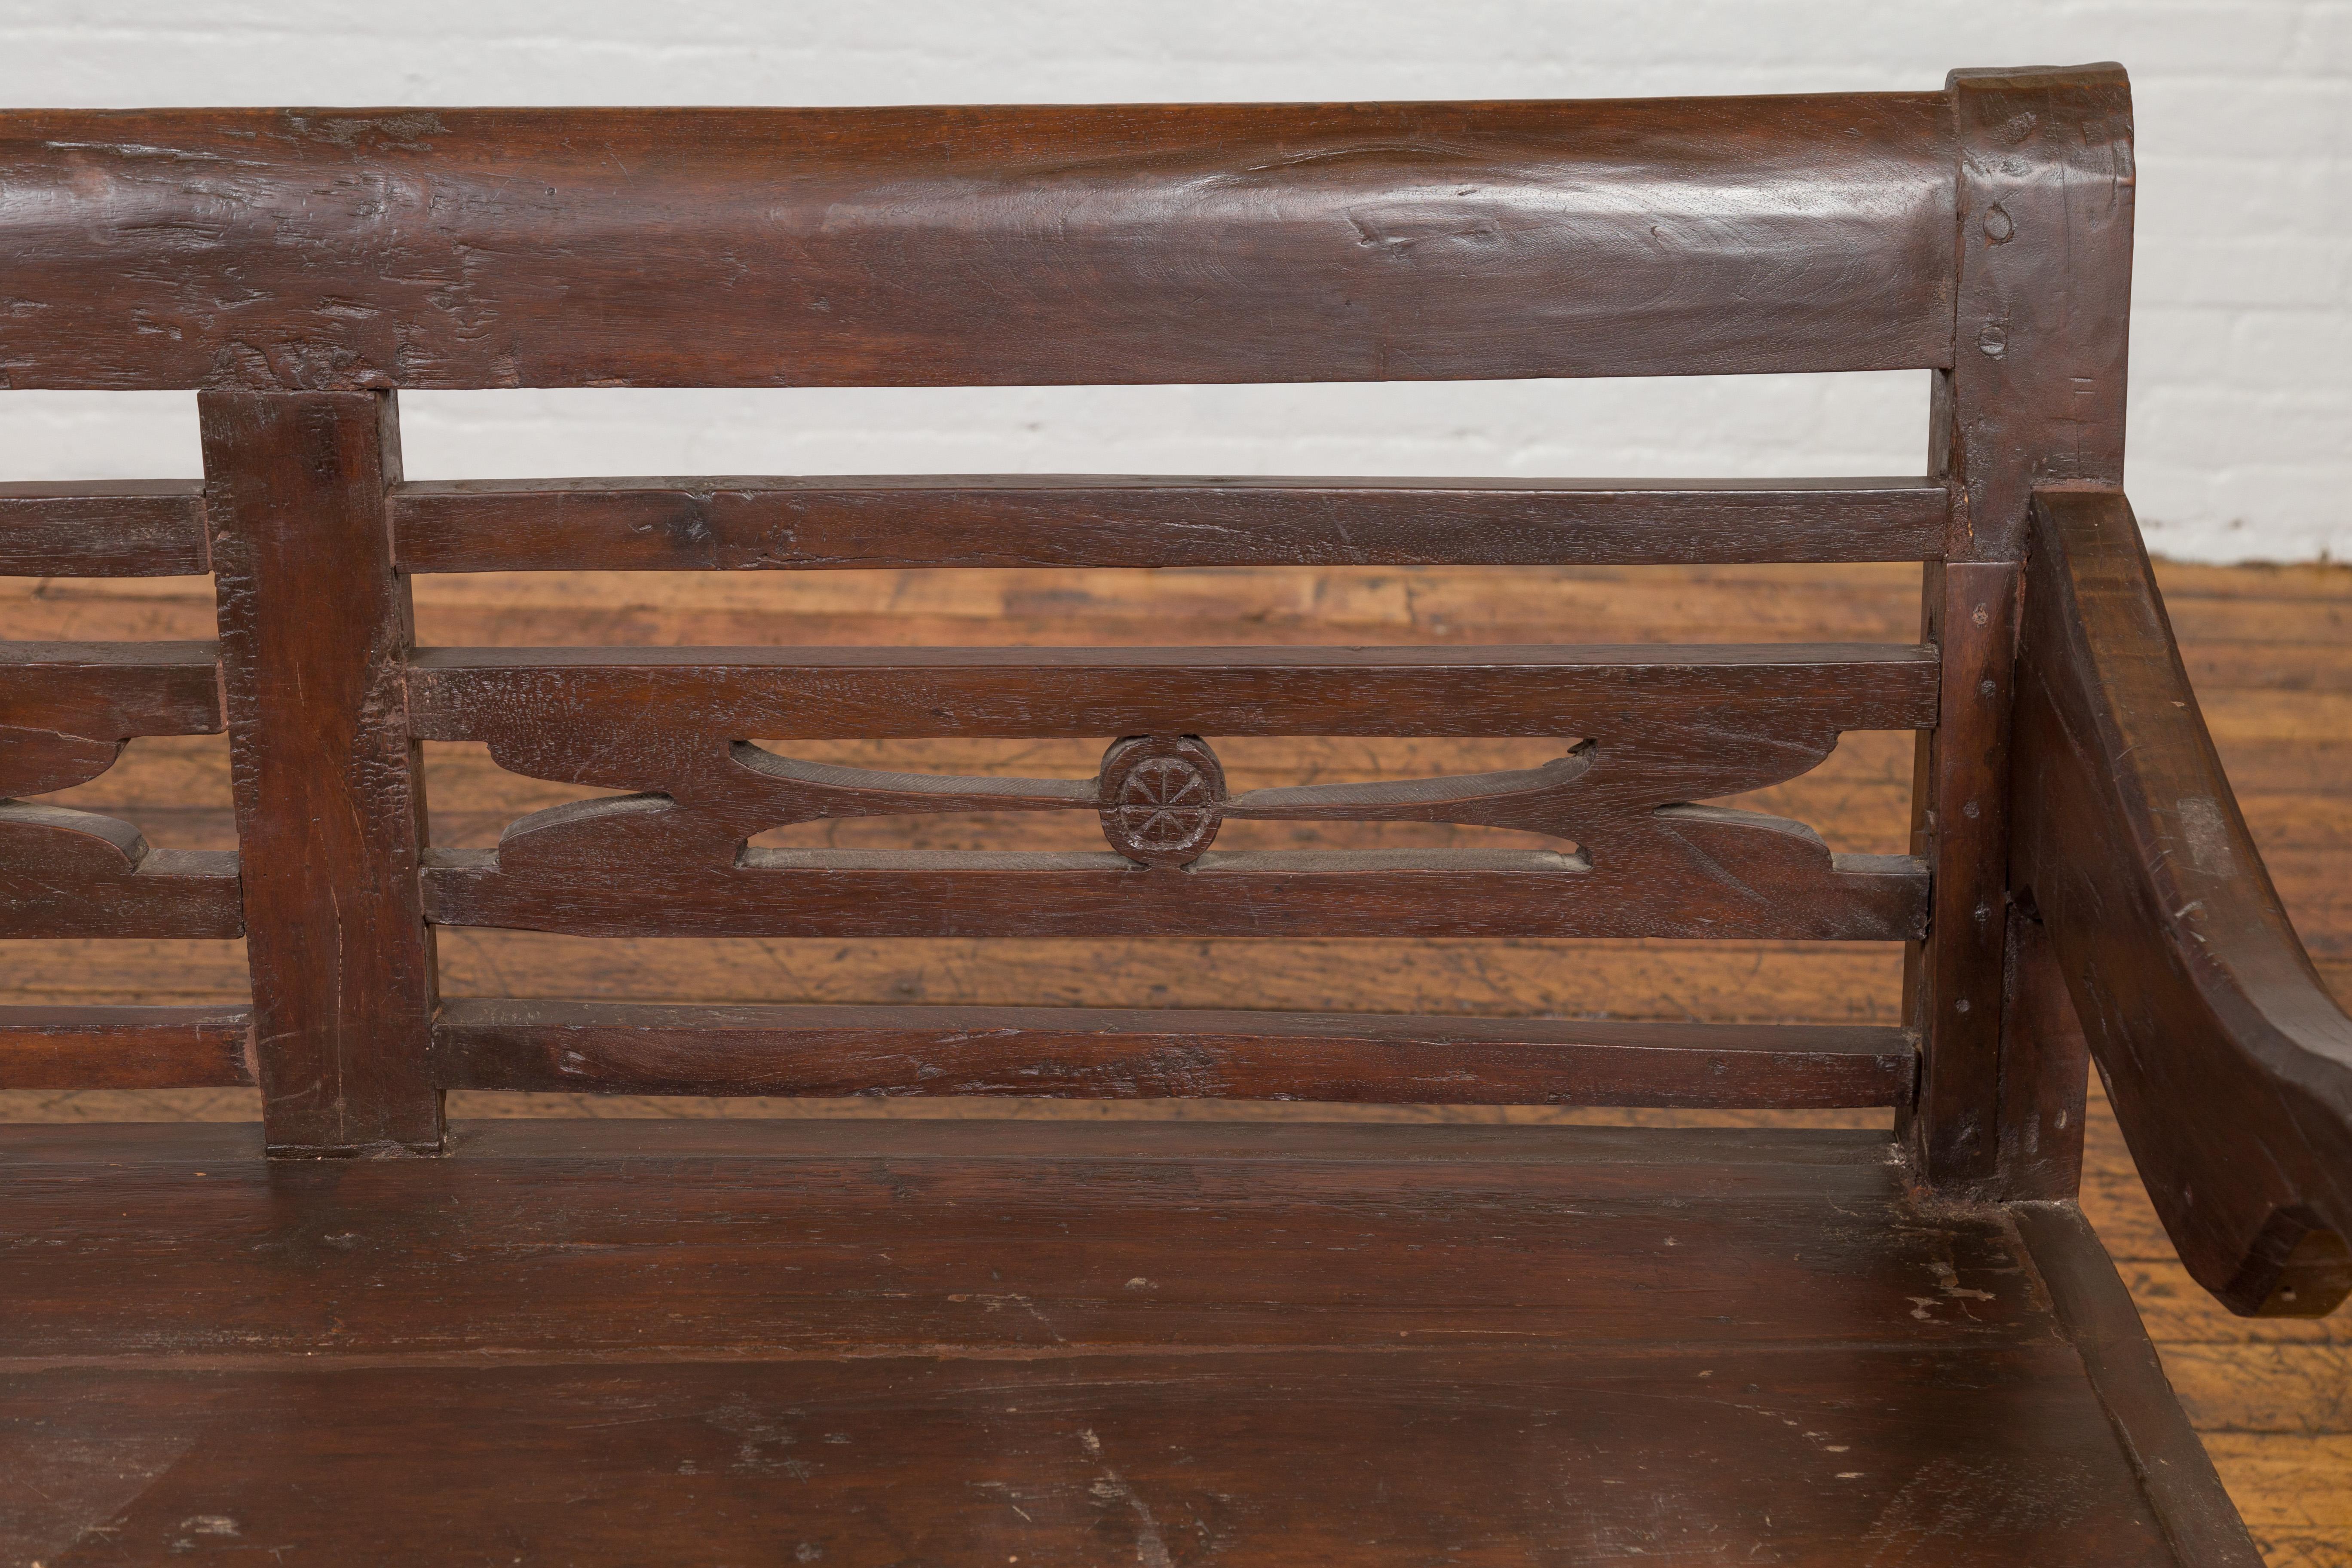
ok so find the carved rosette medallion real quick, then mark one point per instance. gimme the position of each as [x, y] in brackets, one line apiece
[1163, 798]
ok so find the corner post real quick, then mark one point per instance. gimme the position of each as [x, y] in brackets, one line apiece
[2035, 397]
[315, 629]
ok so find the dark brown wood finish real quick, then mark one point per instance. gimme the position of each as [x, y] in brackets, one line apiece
[2044, 1073]
[1072, 1345]
[104, 527]
[2034, 394]
[1661, 728]
[1953, 982]
[2229, 1064]
[931, 247]
[65, 873]
[125, 1048]
[2105, 1328]
[1089, 520]
[329, 803]
[1767, 880]
[1164, 1054]
[1084, 1343]
[67, 710]
[528, 702]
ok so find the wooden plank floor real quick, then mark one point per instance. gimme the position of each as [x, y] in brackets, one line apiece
[2270, 649]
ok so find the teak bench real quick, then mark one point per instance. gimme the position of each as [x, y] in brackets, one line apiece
[918, 1342]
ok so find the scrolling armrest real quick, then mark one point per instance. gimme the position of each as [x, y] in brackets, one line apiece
[2229, 1064]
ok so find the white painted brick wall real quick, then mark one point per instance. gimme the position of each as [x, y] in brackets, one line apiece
[2242, 363]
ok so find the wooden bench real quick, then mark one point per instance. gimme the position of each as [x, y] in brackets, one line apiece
[902, 1342]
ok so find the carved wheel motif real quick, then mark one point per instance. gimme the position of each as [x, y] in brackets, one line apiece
[1163, 798]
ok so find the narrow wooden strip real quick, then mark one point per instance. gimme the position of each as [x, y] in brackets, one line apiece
[458, 694]
[1001, 246]
[2097, 1314]
[1084, 520]
[1064, 1053]
[329, 803]
[125, 1048]
[1756, 884]
[110, 690]
[103, 528]
[1959, 804]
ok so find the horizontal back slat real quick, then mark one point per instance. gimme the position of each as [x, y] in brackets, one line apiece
[125, 1048]
[338, 249]
[1745, 881]
[107, 528]
[458, 694]
[1085, 520]
[110, 689]
[1073, 1052]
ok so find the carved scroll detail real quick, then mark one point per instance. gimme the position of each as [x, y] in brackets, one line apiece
[76, 873]
[1636, 856]
[67, 873]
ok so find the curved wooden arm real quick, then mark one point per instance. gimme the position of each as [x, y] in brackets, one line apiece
[2230, 1065]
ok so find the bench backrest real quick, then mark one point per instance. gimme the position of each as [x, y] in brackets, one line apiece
[299, 268]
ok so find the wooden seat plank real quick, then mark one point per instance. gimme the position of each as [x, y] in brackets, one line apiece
[895, 1341]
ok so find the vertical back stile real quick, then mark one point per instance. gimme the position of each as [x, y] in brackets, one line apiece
[2035, 397]
[315, 627]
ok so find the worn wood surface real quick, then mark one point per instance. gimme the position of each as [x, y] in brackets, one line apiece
[1960, 813]
[1091, 519]
[2270, 651]
[1568, 690]
[2035, 392]
[1158, 1053]
[102, 528]
[65, 1047]
[2041, 208]
[330, 801]
[2183, 967]
[1067, 1344]
[1018, 247]
[67, 711]
[1625, 858]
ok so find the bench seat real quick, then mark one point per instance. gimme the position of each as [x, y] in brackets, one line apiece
[1029, 1342]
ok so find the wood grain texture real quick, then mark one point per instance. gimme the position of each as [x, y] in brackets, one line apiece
[818, 1052]
[1960, 806]
[103, 528]
[124, 1048]
[67, 873]
[2262, 644]
[2230, 1064]
[329, 805]
[2035, 395]
[2174, 1471]
[922, 247]
[1629, 857]
[1767, 882]
[65, 709]
[2044, 1073]
[1084, 520]
[1069, 1344]
[519, 698]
